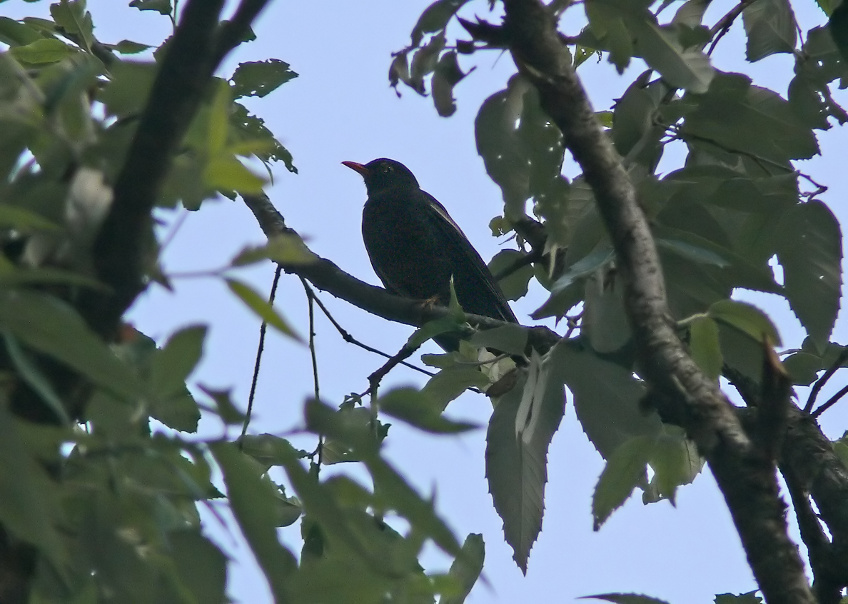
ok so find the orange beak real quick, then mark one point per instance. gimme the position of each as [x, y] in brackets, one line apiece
[363, 171]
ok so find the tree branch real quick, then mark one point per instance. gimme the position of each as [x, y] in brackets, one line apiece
[326, 276]
[744, 473]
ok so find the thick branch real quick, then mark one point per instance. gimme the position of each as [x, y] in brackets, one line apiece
[120, 249]
[745, 475]
[808, 460]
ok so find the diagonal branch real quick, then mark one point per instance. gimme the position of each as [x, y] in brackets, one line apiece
[744, 473]
[326, 276]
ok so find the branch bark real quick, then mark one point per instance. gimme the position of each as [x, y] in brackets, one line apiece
[745, 474]
[327, 276]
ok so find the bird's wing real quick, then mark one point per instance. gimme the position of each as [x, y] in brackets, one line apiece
[462, 248]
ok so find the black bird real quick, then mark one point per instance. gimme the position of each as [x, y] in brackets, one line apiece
[415, 246]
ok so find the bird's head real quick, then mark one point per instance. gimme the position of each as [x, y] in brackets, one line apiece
[383, 175]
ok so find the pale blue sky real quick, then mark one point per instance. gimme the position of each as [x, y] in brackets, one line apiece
[341, 108]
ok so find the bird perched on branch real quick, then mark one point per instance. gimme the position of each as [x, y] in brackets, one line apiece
[415, 246]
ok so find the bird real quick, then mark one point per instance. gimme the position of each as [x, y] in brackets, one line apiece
[416, 248]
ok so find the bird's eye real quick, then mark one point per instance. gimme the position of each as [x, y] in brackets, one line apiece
[386, 169]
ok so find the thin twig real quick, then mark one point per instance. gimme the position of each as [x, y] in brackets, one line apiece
[830, 402]
[724, 24]
[347, 337]
[843, 355]
[310, 297]
[259, 350]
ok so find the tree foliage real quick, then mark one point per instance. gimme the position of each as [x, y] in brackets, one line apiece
[101, 476]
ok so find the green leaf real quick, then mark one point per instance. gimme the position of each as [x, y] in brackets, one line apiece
[29, 500]
[747, 318]
[607, 24]
[466, 568]
[605, 323]
[284, 249]
[838, 26]
[435, 18]
[446, 75]
[127, 91]
[169, 369]
[515, 285]
[226, 173]
[809, 249]
[75, 20]
[163, 7]
[626, 599]
[14, 33]
[606, 397]
[511, 339]
[254, 505]
[50, 326]
[704, 346]
[625, 469]
[750, 597]
[520, 431]
[41, 52]
[452, 381]
[261, 307]
[128, 47]
[417, 409]
[497, 143]
[562, 287]
[803, 367]
[224, 406]
[770, 26]
[260, 78]
[687, 68]
[675, 461]
[200, 565]
[734, 114]
[35, 378]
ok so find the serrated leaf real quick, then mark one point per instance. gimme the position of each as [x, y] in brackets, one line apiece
[734, 114]
[704, 346]
[675, 461]
[261, 307]
[747, 318]
[416, 408]
[260, 78]
[625, 469]
[466, 568]
[809, 249]
[516, 455]
[75, 20]
[770, 27]
[687, 68]
[170, 367]
[606, 397]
